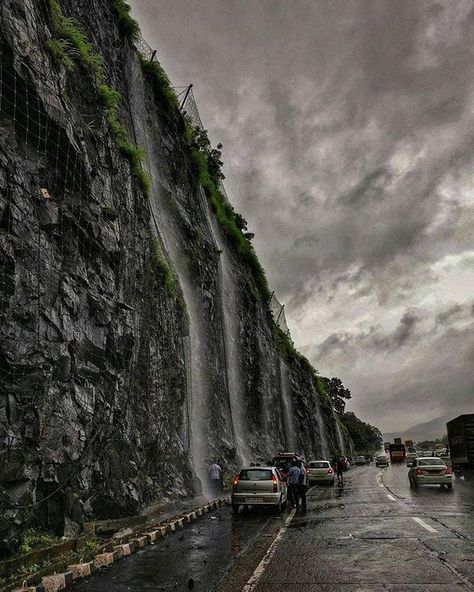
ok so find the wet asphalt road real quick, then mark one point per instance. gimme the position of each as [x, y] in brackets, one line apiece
[373, 534]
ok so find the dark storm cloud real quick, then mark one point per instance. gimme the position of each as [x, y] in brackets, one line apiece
[348, 137]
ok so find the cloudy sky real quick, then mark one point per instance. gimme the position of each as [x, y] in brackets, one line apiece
[348, 132]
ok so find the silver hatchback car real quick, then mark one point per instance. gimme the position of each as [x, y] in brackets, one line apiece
[320, 471]
[430, 471]
[259, 486]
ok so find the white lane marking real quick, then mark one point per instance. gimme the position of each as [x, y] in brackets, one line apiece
[427, 526]
[379, 479]
[390, 497]
[261, 567]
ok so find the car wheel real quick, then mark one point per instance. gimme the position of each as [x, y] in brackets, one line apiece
[235, 508]
[415, 483]
[279, 507]
[411, 482]
[449, 485]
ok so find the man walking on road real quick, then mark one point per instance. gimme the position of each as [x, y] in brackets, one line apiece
[294, 484]
[303, 484]
[215, 473]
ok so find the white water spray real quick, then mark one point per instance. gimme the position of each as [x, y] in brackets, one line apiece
[231, 320]
[289, 419]
[325, 450]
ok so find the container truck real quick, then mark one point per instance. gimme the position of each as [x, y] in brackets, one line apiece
[461, 441]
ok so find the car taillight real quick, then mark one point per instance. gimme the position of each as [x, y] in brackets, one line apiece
[235, 480]
[275, 484]
[449, 471]
[330, 471]
[418, 471]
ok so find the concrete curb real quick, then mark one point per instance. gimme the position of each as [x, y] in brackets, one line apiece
[62, 581]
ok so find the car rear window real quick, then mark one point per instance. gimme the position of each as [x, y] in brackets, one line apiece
[429, 462]
[255, 475]
[318, 465]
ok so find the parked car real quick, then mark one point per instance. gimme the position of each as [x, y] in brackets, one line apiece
[360, 460]
[411, 457]
[258, 486]
[320, 471]
[381, 461]
[430, 471]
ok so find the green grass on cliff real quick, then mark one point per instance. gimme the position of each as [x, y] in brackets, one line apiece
[62, 51]
[67, 30]
[128, 26]
[162, 266]
[161, 85]
[110, 99]
[226, 217]
[71, 44]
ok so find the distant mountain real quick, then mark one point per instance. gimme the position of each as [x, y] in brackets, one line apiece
[422, 431]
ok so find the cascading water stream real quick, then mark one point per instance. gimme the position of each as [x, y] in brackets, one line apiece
[325, 450]
[340, 438]
[231, 321]
[164, 216]
[289, 420]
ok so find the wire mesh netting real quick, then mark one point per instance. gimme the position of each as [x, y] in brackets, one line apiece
[71, 367]
[278, 312]
[190, 109]
[73, 357]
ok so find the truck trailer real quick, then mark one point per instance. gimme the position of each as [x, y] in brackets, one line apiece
[461, 441]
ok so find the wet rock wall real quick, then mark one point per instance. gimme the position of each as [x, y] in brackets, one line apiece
[114, 386]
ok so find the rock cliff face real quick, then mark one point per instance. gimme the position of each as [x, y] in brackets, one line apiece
[134, 346]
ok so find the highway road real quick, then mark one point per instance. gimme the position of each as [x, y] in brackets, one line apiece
[372, 534]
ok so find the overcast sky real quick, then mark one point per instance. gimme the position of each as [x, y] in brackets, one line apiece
[348, 132]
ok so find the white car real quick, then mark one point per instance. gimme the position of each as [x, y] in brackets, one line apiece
[259, 486]
[320, 471]
[430, 471]
[411, 457]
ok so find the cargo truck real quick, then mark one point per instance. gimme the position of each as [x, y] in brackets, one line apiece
[461, 441]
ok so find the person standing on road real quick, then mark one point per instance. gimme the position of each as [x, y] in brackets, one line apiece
[340, 470]
[303, 484]
[215, 473]
[294, 484]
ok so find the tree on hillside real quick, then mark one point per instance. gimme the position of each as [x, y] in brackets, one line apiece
[367, 438]
[338, 393]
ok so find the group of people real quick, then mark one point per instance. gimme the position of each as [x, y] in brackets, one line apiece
[297, 481]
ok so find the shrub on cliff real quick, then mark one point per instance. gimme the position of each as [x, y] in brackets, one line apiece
[208, 166]
[161, 85]
[67, 30]
[128, 26]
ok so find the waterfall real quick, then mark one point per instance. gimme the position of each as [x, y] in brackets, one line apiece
[197, 384]
[289, 420]
[164, 210]
[340, 438]
[231, 321]
[324, 444]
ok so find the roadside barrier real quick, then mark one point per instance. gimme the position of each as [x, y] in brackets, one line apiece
[61, 581]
